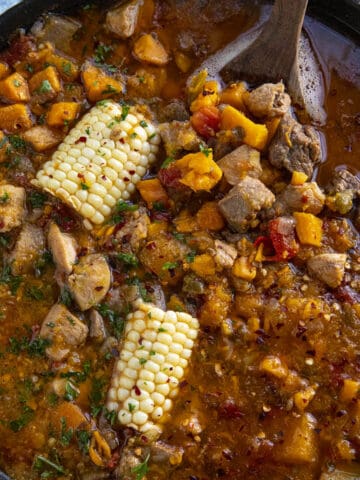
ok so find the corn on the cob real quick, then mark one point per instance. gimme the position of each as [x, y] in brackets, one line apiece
[100, 161]
[155, 353]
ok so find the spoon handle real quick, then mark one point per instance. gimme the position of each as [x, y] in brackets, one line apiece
[273, 55]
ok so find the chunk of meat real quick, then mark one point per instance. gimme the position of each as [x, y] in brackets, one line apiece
[268, 100]
[134, 232]
[42, 137]
[295, 147]
[12, 207]
[58, 30]
[344, 180]
[179, 136]
[64, 330]
[226, 141]
[242, 204]
[224, 254]
[97, 326]
[63, 248]
[128, 461]
[90, 281]
[174, 110]
[300, 198]
[29, 246]
[162, 452]
[122, 20]
[242, 161]
[328, 267]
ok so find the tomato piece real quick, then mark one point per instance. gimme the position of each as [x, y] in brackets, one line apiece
[170, 177]
[282, 235]
[206, 121]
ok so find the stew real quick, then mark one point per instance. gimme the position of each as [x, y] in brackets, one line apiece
[179, 278]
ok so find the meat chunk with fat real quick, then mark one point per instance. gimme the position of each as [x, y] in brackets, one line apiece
[163, 453]
[28, 248]
[295, 147]
[242, 161]
[12, 207]
[64, 330]
[328, 267]
[122, 20]
[300, 198]
[97, 326]
[90, 281]
[43, 138]
[178, 136]
[134, 232]
[242, 204]
[174, 110]
[58, 30]
[268, 100]
[63, 248]
[224, 254]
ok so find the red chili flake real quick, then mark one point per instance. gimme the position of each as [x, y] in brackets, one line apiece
[103, 177]
[2, 224]
[137, 390]
[170, 177]
[346, 294]
[151, 246]
[81, 140]
[282, 235]
[206, 121]
[81, 175]
[304, 198]
[229, 410]
[114, 460]
[122, 140]
[98, 289]
[126, 179]
[18, 49]
[132, 172]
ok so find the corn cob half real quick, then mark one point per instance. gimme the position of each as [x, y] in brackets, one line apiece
[155, 353]
[100, 160]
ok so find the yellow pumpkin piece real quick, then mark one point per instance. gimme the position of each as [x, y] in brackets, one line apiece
[303, 398]
[149, 49]
[217, 305]
[199, 171]
[14, 89]
[203, 265]
[67, 69]
[185, 222]
[155, 228]
[350, 390]
[4, 70]
[62, 113]
[272, 126]
[210, 218]
[298, 178]
[3, 147]
[208, 97]
[182, 61]
[274, 366]
[308, 229]
[233, 95]
[46, 82]
[71, 413]
[98, 85]
[242, 268]
[152, 192]
[176, 304]
[14, 118]
[256, 135]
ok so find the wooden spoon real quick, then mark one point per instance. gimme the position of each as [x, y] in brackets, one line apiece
[274, 55]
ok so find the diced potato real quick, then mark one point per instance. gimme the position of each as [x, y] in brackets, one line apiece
[45, 84]
[14, 89]
[199, 171]
[350, 390]
[233, 95]
[308, 228]
[4, 70]
[209, 217]
[299, 444]
[208, 97]
[67, 69]
[42, 137]
[274, 366]
[298, 178]
[62, 113]
[256, 135]
[182, 61]
[98, 84]
[152, 191]
[243, 269]
[149, 49]
[203, 265]
[14, 118]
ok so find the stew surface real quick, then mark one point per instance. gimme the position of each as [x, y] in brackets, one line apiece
[225, 207]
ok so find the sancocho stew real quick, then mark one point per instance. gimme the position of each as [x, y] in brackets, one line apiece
[179, 263]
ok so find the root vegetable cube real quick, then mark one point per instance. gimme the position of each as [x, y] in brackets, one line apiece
[14, 89]
[45, 84]
[62, 113]
[98, 85]
[14, 118]
[256, 135]
[149, 49]
[42, 137]
[4, 70]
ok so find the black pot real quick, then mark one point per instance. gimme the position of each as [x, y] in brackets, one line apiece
[342, 15]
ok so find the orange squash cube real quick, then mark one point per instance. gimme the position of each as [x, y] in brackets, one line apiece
[14, 88]
[45, 84]
[256, 135]
[15, 118]
[152, 191]
[62, 113]
[4, 70]
[98, 85]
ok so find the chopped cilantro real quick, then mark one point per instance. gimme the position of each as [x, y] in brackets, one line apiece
[110, 416]
[34, 293]
[167, 162]
[83, 438]
[170, 265]
[4, 198]
[66, 68]
[84, 186]
[142, 361]
[65, 297]
[190, 257]
[102, 52]
[41, 462]
[97, 395]
[25, 417]
[66, 434]
[78, 376]
[34, 347]
[45, 87]
[41, 264]
[37, 199]
[128, 258]
[125, 110]
[12, 281]
[143, 124]
[70, 392]
[205, 150]
[87, 130]
[109, 89]
[115, 319]
[141, 469]
[17, 142]
[17, 83]
[131, 407]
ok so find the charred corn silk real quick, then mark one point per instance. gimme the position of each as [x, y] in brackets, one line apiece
[100, 161]
[155, 352]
